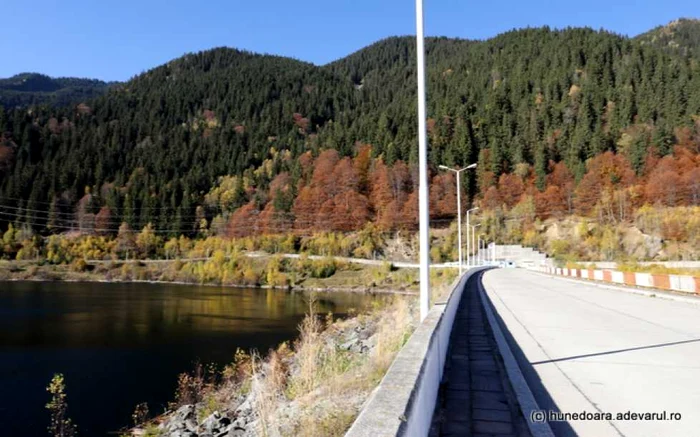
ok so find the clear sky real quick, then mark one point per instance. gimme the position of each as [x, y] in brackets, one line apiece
[117, 39]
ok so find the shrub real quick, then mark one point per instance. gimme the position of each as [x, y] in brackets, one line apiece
[323, 268]
[60, 425]
[140, 414]
[78, 265]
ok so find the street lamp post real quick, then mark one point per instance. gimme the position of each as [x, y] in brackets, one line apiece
[468, 245]
[423, 214]
[474, 240]
[459, 209]
[482, 248]
[478, 248]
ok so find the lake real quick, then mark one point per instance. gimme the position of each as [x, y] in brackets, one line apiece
[122, 344]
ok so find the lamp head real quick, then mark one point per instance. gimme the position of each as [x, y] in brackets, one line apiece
[472, 165]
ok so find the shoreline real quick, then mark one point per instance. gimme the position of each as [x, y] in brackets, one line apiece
[59, 273]
[238, 286]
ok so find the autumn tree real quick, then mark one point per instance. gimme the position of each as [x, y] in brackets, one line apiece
[351, 211]
[605, 174]
[147, 241]
[244, 221]
[103, 221]
[126, 243]
[510, 189]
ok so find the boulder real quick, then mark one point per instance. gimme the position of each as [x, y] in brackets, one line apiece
[214, 423]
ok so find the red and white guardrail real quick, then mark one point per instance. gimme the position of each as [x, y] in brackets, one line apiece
[682, 283]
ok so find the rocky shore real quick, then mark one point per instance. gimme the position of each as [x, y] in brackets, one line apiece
[316, 387]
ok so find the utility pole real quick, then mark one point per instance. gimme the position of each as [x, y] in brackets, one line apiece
[423, 214]
[459, 209]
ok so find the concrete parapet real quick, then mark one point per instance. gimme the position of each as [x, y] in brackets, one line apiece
[404, 402]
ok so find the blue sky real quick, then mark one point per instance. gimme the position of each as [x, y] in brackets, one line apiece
[116, 39]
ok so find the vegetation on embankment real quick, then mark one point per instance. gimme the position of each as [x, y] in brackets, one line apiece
[314, 386]
[270, 271]
[648, 234]
[251, 261]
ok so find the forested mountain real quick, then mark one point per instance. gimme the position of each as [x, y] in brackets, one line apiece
[26, 89]
[200, 137]
[681, 36]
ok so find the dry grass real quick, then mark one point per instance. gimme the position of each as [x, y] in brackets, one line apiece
[318, 388]
[656, 269]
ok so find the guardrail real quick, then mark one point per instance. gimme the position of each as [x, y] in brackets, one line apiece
[404, 401]
[682, 283]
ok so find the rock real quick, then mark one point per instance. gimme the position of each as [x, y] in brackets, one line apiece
[245, 409]
[181, 433]
[229, 431]
[211, 423]
[348, 344]
[371, 342]
[215, 423]
[175, 424]
[191, 425]
[185, 411]
[240, 422]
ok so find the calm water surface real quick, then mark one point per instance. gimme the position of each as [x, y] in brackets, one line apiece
[122, 344]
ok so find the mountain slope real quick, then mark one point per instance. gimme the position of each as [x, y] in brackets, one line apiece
[150, 149]
[33, 88]
[681, 36]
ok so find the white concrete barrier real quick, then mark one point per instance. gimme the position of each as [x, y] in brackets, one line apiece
[687, 284]
[643, 280]
[618, 277]
[404, 402]
[598, 275]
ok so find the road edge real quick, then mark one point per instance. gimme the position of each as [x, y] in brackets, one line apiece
[526, 400]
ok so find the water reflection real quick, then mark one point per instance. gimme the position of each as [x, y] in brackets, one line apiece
[120, 344]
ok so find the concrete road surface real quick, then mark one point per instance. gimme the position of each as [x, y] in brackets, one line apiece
[586, 349]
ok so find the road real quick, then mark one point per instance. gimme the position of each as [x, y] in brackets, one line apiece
[589, 349]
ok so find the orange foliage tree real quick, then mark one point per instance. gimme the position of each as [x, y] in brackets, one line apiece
[606, 173]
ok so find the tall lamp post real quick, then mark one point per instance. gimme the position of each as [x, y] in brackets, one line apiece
[423, 215]
[474, 240]
[482, 247]
[468, 245]
[478, 248]
[459, 209]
